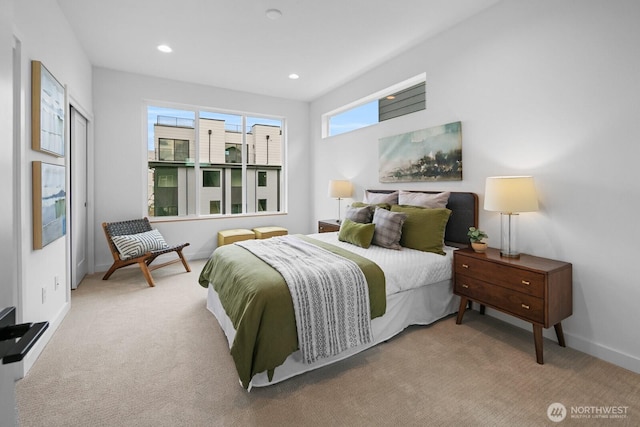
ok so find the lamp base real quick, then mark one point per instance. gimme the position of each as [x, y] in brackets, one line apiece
[509, 255]
[508, 234]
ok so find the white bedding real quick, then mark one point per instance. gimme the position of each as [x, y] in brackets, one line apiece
[419, 292]
[404, 269]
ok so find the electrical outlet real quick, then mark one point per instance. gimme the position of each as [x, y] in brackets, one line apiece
[56, 283]
[44, 295]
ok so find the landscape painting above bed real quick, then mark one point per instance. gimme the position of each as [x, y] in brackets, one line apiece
[432, 154]
[254, 306]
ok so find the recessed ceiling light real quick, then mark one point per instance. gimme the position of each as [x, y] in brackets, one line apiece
[164, 48]
[294, 76]
[273, 14]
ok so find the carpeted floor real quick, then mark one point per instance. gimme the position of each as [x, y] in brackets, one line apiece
[130, 355]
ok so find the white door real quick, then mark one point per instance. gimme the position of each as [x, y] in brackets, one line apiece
[78, 197]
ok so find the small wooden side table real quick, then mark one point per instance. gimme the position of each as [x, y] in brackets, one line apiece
[537, 290]
[328, 225]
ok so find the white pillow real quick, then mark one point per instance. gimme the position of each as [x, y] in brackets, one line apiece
[424, 200]
[376, 198]
[133, 245]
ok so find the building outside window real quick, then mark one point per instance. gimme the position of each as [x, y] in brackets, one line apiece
[240, 158]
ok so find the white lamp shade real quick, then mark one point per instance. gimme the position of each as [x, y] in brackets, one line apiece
[340, 189]
[510, 194]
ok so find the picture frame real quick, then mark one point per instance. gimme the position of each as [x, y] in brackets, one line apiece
[49, 203]
[48, 111]
[426, 155]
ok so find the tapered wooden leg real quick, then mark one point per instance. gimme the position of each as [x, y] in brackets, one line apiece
[110, 272]
[537, 338]
[559, 334]
[482, 308]
[463, 306]
[184, 261]
[146, 273]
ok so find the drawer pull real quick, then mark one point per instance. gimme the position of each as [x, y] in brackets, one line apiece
[526, 282]
[525, 306]
[465, 286]
[465, 266]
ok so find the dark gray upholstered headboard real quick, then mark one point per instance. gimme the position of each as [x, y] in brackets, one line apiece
[464, 214]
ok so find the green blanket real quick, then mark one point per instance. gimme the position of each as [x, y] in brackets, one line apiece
[258, 302]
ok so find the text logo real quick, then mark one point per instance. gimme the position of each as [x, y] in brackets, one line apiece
[556, 412]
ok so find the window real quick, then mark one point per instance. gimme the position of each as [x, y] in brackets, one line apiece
[173, 149]
[213, 163]
[262, 178]
[401, 99]
[354, 118]
[211, 178]
[166, 194]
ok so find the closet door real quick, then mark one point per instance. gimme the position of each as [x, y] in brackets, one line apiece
[78, 198]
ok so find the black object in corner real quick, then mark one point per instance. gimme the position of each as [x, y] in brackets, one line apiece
[28, 333]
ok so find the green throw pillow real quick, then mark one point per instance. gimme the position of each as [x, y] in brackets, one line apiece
[356, 233]
[424, 228]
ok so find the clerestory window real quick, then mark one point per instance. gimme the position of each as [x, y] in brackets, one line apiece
[401, 99]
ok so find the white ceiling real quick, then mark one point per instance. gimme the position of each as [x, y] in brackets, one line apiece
[233, 44]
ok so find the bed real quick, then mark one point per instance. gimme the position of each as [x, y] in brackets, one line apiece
[260, 325]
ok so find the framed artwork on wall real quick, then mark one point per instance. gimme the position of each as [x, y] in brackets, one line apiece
[49, 203]
[432, 154]
[47, 111]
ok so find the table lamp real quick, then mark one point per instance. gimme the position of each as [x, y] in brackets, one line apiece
[510, 195]
[340, 189]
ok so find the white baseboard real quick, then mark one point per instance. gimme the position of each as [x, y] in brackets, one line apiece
[577, 342]
[36, 350]
[605, 353]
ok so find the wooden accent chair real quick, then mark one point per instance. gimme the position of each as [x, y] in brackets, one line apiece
[133, 227]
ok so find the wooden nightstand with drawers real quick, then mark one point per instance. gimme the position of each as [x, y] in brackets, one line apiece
[328, 225]
[537, 290]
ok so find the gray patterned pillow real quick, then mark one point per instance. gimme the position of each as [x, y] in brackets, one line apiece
[388, 228]
[363, 214]
[133, 245]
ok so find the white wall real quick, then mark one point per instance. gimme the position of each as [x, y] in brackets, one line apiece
[44, 35]
[120, 153]
[8, 258]
[544, 88]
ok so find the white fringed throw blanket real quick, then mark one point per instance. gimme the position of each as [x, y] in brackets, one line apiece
[329, 292]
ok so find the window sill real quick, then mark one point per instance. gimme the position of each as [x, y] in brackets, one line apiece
[157, 220]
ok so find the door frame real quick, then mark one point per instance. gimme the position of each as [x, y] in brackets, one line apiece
[77, 105]
[78, 214]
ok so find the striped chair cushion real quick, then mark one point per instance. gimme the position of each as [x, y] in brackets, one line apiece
[133, 245]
